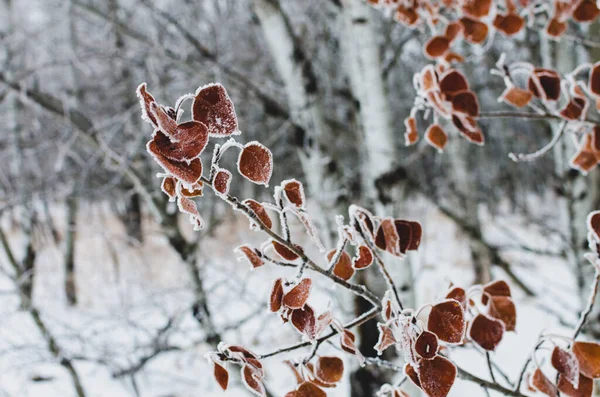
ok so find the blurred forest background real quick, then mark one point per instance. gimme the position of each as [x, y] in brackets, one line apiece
[106, 291]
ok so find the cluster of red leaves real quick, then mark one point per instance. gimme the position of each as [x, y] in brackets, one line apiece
[447, 93]
[549, 89]
[476, 20]
[252, 372]
[578, 364]
[312, 378]
[177, 146]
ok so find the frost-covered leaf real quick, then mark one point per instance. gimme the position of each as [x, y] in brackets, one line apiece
[447, 321]
[452, 82]
[586, 11]
[411, 135]
[323, 321]
[426, 345]
[575, 109]
[548, 81]
[304, 321]
[363, 258]
[466, 102]
[146, 100]
[252, 381]
[186, 172]
[168, 186]
[594, 80]
[260, 212]
[294, 192]
[251, 255]
[477, 8]
[566, 363]
[387, 237]
[474, 31]
[497, 288]
[588, 355]
[297, 296]
[487, 332]
[459, 295]
[428, 81]
[255, 163]
[436, 137]
[585, 386]
[453, 30]
[436, 47]
[309, 389]
[555, 27]
[329, 369]
[166, 124]
[285, 252]
[516, 97]
[343, 267]
[386, 338]
[437, 376]
[187, 206]
[221, 375]
[542, 384]
[503, 309]
[213, 107]
[467, 127]
[586, 159]
[509, 24]
[593, 223]
[347, 342]
[276, 297]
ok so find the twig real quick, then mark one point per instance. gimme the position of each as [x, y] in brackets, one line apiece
[590, 305]
[538, 153]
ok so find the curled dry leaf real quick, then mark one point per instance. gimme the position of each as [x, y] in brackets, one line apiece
[255, 163]
[347, 342]
[329, 369]
[285, 252]
[168, 187]
[437, 376]
[588, 355]
[296, 298]
[549, 82]
[146, 100]
[222, 182]
[516, 97]
[487, 332]
[565, 362]
[542, 384]
[260, 212]
[364, 258]
[343, 267]
[294, 192]
[276, 298]
[252, 381]
[585, 386]
[411, 136]
[182, 170]
[447, 321]
[426, 345]
[221, 375]
[386, 338]
[213, 108]
[251, 255]
[436, 137]
[304, 321]
[412, 374]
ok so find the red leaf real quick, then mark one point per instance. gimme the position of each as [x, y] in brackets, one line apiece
[487, 332]
[411, 136]
[284, 251]
[187, 206]
[428, 79]
[387, 237]
[497, 288]
[297, 296]
[404, 230]
[477, 8]
[386, 338]
[453, 29]
[255, 163]
[466, 102]
[309, 389]
[146, 99]
[364, 258]
[213, 107]
[586, 11]
[447, 321]
[221, 375]
[588, 355]
[548, 80]
[304, 321]
[510, 24]
[260, 212]
[409, 370]
[437, 376]
[186, 172]
[329, 369]
[436, 47]
[251, 255]
[595, 79]
[436, 137]
[187, 141]
[566, 363]
[585, 389]
[343, 267]
[222, 182]
[276, 298]
[474, 31]
[575, 109]
[459, 295]
[542, 384]
[452, 82]
[426, 345]
[516, 96]
[593, 223]
[196, 190]
[294, 192]
[503, 308]
[555, 27]
[252, 381]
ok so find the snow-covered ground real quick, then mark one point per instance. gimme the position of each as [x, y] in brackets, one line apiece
[128, 294]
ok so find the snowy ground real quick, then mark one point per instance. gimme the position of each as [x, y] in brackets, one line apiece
[127, 294]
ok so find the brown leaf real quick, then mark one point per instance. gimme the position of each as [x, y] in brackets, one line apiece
[259, 211]
[509, 24]
[585, 159]
[297, 296]
[416, 233]
[404, 230]
[503, 309]
[497, 288]
[196, 190]
[168, 186]
[575, 109]
[588, 355]
[437, 376]
[182, 170]
[542, 384]
[309, 389]
[548, 80]
[407, 15]
[251, 380]
[565, 362]
[593, 223]
[255, 163]
[477, 8]
[347, 340]
[467, 127]
[411, 136]
[285, 252]
[426, 345]
[363, 259]
[329, 369]
[428, 79]
[251, 255]
[146, 100]
[412, 374]
[586, 11]
[452, 82]
[386, 338]
[343, 267]
[516, 96]
[187, 206]
[436, 47]
[294, 192]
[555, 27]
[222, 182]
[474, 31]
[447, 321]
[304, 321]
[459, 295]
[387, 237]
[276, 298]
[487, 332]
[221, 375]
[594, 80]
[213, 107]
[453, 29]
[436, 137]
[585, 386]
[466, 102]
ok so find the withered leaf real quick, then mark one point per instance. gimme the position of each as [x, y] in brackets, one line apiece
[447, 321]
[255, 163]
[588, 355]
[487, 332]
[213, 108]
[329, 369]
[296, 298]
[426, 345]
[437, 376]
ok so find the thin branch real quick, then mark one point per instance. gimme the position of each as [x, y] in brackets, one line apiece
[538, 153]
[590, 305]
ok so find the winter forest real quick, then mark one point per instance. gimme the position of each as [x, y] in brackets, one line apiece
[299, 198]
